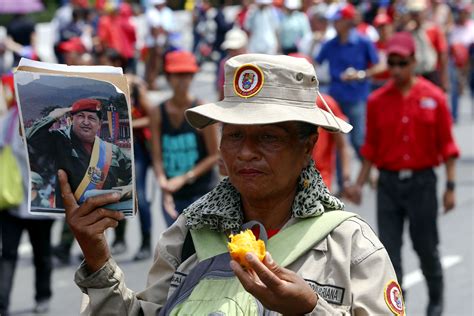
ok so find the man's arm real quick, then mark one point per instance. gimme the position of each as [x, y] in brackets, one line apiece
[38, 136]
[449, 197]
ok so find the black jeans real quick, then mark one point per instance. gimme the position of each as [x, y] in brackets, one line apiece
[412, 198]
[39, 232]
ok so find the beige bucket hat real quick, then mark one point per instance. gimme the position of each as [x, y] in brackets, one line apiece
[266, 89]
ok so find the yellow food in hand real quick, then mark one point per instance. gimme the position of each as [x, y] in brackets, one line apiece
[245, 242]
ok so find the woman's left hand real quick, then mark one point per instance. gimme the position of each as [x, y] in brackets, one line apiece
[176, 183]
[277, 288]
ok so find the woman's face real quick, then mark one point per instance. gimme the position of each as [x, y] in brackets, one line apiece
[180, 82]
[264, 161]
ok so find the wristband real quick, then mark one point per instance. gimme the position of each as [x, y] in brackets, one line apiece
[450, 185]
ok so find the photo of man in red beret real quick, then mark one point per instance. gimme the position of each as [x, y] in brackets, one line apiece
[90, 162]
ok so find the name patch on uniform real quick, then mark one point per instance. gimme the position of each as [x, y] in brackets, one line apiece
[177, 279]
[428, 103]
[330, 293]
[393, 298]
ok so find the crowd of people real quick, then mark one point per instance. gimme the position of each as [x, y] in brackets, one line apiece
[393, 69]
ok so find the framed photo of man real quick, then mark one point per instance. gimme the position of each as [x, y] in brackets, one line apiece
[76, 120]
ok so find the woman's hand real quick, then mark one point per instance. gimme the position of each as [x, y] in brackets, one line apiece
[89, 221]
[277, 288]
[169, 206]
[175, 184]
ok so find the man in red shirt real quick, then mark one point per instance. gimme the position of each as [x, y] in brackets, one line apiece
[409, 132]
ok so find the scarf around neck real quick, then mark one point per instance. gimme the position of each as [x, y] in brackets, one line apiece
[220, 209]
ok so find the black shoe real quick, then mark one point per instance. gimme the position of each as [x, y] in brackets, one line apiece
[434, 309]
[143, 253]
[118, 248]
[62, 255]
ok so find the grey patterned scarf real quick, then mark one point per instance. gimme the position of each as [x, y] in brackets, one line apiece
[220, 210]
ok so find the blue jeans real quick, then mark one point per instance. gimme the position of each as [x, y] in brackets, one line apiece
[454, 82]
[355, 112]
[142, 162]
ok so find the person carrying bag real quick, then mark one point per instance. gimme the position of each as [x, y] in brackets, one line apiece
[11, 189]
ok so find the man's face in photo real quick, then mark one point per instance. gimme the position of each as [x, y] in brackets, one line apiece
[86, 125]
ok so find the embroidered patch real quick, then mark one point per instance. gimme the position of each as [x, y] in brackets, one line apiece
[428, 103]
[330, 293]
[393, 298]
[177, 279]
[248, 80]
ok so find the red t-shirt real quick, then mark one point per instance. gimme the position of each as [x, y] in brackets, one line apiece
[324, 152]
[118, 32]
[408, 132]
[438, 40]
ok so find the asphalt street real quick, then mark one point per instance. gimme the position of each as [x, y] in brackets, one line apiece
[456, 234]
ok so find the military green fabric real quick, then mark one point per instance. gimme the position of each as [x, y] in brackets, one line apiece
[309, 230]
[218, 297]
[212, 288]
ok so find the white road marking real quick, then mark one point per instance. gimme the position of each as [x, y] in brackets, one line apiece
[25, 249]
[416, 276]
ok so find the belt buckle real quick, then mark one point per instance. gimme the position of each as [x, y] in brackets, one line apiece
[405, 174]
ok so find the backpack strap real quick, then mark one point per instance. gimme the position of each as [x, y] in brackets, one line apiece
[208, 243]
[302, 235]
[289, 244]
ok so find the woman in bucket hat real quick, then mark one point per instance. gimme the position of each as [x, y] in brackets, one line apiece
[269, 127]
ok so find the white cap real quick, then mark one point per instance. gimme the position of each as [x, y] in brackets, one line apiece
[157, 2]
[263, 1]
[416, 5]
[235, 39]
[293, 4]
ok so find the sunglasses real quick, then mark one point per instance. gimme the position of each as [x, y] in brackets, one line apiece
[401, 63]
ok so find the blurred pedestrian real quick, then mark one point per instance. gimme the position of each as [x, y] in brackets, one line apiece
[21, 31]
[262, 23]
[235, 43]
[15, 220]
[431, 45]
[409, 132]
[160, 25]
[311, 43]
[328, 144]
[183, 158]
[116, 30]
[352, 61]
[294, 26]
[384, 26]
[461, 38]
[141, 148]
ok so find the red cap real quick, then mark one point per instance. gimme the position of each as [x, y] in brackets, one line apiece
[74, 45]
[180, 62]
[402, 44]
[89, 105]
[345, 11]
[382, 19]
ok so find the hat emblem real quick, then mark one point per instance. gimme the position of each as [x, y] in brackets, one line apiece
[248, 80]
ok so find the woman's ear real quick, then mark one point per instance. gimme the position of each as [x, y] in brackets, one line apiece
[311, 142]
